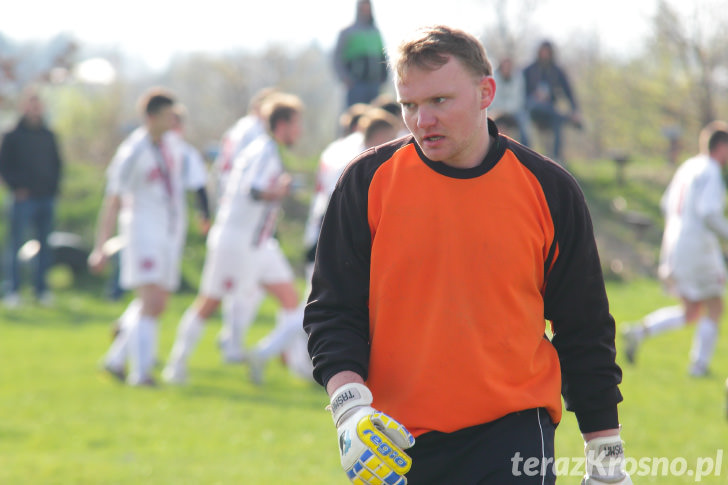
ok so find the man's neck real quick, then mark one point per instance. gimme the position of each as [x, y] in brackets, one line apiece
[156, 137]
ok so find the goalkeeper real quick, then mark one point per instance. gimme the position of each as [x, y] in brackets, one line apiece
[441, 257]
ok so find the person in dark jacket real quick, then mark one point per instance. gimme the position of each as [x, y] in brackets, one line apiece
[546, 83]
[30, 165]
[359, 57]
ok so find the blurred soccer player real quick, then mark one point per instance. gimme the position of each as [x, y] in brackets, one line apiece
[691, 260]
[440, 256]
[369, 128]
[146, 193]
[239, 309]
[242, 254]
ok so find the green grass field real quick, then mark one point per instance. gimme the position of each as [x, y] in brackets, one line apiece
[64, 422]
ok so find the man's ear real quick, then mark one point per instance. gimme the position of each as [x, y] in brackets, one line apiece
[487, 91]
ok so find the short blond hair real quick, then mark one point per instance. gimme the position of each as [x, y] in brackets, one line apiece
[432, 47]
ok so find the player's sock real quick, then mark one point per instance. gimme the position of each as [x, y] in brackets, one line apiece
[134, 351]
[148, 337]
[188, 334]
[706, 336]
[238, 315]
[116, 356]
[142, 337]
[296, 356]
[288, 323]
[663, 320]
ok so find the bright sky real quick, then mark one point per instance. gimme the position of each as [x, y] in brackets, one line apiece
[154, 30]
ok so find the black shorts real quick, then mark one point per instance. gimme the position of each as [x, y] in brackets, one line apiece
[515, 449]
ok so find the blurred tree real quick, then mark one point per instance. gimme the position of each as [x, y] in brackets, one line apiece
[696, 44]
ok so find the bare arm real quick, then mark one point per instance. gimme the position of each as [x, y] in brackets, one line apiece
[277, 190]
[342, 378]
[600, 434]
[105, 228]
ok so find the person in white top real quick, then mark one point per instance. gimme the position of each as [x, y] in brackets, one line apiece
[238, 309]
[691, 259]
[146, 193]
[241, 252]
[508, 109]
[369, 127]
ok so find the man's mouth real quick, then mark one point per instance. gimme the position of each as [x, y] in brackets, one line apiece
[433, 138]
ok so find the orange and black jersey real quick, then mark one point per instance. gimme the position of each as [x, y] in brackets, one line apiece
[435, 283]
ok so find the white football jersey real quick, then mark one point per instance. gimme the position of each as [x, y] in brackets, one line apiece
[689, 247]
[332, 163]
[234, 141]
[149, 179]
[240, 216]
[195, 172]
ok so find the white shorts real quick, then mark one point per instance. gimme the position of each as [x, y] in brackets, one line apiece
[696, 287]
[231, 268]
[150, 264]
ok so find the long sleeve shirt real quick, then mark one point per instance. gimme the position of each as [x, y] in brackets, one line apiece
[435, 283]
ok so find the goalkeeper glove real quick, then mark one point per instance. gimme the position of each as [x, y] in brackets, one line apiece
[605, 462]
[371, 443]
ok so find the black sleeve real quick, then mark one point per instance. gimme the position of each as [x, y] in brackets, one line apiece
[530, 83]
[566, 87]
[337, 314]
[203, 204]
[576, 303]
[7, 168]
[57, 165]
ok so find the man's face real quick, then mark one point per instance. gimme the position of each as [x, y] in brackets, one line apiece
[445, 110]
[365, 10]
[721, 153]
[290, 131]
[33, 109]
[161, 121]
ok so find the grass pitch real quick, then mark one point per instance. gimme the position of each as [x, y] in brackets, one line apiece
[64, 422]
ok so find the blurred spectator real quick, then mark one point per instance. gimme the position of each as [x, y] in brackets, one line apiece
[30, 165]
[359, 57]
[509, 106]
[546, 83]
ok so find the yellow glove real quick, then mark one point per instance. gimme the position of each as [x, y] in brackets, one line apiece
[371, 443]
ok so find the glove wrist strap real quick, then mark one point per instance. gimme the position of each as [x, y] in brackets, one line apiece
[605, 458]
[348, 397]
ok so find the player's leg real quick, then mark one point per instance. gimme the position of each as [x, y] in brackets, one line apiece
[288, 322]
[220, 276]
[115, 359]
[238, 313]
[189, 332]
[142, 334]
[660, 321]
[289, 319]
[276, 276]
[706, 337]
[295, 355]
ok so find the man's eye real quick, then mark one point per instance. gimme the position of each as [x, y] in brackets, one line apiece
[440, 100]
[408, 106]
